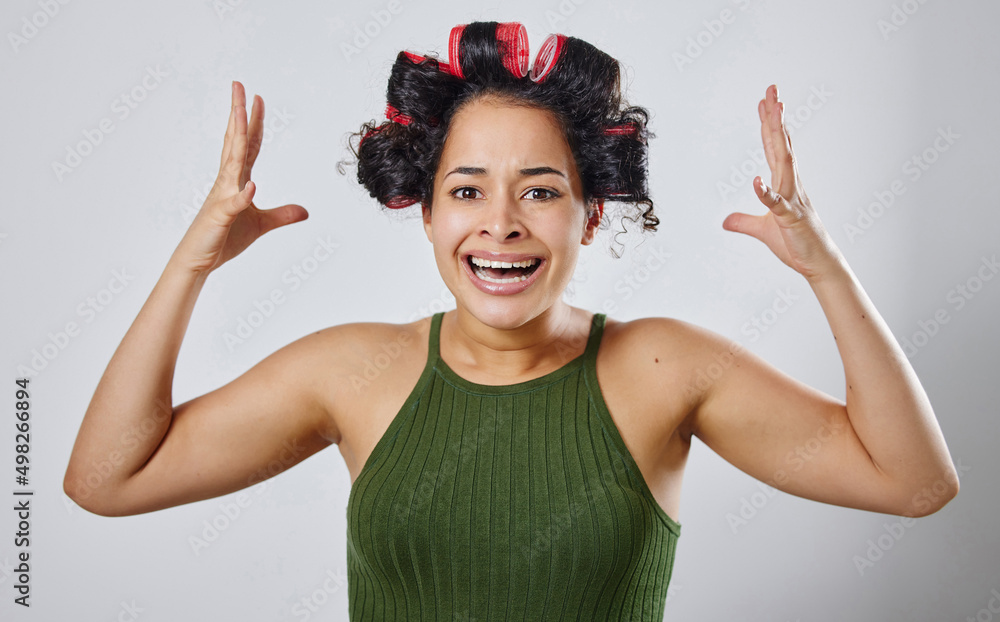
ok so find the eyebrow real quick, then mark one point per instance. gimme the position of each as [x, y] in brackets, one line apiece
[524, 172]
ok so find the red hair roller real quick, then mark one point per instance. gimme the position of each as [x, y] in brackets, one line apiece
[454, 64]
[394, 115]
[512, 38]
[547, 56]
[626, 129]
[416, 59]
[400, 202]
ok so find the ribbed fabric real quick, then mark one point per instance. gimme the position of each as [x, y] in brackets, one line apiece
[516, 502]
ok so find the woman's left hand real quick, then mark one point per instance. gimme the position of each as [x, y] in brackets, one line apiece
[791, 228]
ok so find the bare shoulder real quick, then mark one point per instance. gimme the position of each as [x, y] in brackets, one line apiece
[344, 362]
[671, 360]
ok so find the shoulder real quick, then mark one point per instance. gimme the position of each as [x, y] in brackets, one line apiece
[345, 347]
[663, 335]
[329, 365]
[666, 360]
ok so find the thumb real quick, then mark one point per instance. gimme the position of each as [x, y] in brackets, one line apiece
[281, 216]
[748, 224]
[754, 225]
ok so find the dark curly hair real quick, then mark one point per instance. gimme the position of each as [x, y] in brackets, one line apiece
[397, 159]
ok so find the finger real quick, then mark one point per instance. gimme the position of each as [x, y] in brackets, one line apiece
[765, 135]
[255, 136]
[771, 199]
[783, 176]
[241, 200]
[233, 170]
[230, 129]
[281, 216]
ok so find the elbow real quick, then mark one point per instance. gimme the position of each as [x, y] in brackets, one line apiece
[932, 497]
[88, 493]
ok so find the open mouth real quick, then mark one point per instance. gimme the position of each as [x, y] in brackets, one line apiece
[503, 271]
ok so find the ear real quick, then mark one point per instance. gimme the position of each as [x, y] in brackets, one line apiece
[426, 211]
[595, 212]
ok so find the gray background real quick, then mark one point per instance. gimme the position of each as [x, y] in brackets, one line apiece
[126, 204]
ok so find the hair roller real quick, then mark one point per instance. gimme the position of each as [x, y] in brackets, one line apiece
[578, 83]
[625, 129]
[454, 61]
[513, 43]
[547, 57]
[511, 40]
[416, 59]
[394, 115]
[400, 202]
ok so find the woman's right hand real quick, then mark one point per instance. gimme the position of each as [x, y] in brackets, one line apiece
[228, 222]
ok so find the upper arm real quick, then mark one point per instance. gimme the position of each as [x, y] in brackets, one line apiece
[268, 419]
[774, 427]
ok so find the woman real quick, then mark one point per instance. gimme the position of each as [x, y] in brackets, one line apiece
[516, 456]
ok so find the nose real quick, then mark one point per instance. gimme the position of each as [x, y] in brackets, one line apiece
[502, 219]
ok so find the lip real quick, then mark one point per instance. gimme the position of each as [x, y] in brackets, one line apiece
[502, 289]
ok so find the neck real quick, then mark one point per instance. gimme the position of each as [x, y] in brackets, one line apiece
[546, 341]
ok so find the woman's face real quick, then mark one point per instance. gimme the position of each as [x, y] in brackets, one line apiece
[507, 189]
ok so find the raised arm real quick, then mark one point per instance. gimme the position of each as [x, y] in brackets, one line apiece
[883, 449]
[135, 452]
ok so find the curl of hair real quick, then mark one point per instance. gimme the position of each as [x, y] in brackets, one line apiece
[397, 161]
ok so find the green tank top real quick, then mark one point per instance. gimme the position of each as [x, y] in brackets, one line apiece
[516, 502]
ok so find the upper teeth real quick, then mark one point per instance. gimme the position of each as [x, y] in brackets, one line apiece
[486, 263]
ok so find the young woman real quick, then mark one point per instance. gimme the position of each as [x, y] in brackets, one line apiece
[517, 456]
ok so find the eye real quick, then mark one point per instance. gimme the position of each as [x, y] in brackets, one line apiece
[541, 194]
[465, 193]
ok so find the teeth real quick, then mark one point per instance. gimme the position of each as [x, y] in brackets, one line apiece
[482, 275]
[486, 263]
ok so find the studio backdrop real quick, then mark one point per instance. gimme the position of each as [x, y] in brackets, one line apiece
[113, 120]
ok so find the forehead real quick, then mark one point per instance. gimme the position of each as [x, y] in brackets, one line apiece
[494, 134]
